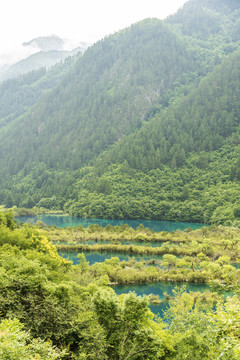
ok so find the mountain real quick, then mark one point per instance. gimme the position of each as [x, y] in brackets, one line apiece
[145, 124]
[54, 42]
[46, 51]
[181, 165]
[42, 59]
[106, 95]
[46, 43]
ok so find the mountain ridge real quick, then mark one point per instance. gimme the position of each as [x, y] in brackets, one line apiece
[93, 69]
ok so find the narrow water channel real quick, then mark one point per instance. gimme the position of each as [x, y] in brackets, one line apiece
[93, 257]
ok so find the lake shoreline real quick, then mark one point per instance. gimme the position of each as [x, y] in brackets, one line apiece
[64, 220]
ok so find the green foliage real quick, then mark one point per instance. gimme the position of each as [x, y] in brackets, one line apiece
[37, 289]
[128, 328]
[16, 344]
[188, 193]
[205, 18]
[207, 255]
[204, 335]
[105, 96]
[18, 95]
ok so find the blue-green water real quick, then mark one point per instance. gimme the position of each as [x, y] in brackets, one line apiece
[143, 243]
[159, 288]
[93, 257]
[66, 220]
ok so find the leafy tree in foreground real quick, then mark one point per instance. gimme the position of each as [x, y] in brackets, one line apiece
[16, 344]
[130, 331]
[201, 332]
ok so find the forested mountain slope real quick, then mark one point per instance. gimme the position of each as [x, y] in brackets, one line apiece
[208, 19]
[42, 59]
[107, 95]
[211, 28]
[182, 165]
[200, 121]
[146, 125]
[18, 95]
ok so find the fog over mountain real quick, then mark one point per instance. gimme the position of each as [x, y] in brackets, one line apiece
[44, 51]
[42, 43]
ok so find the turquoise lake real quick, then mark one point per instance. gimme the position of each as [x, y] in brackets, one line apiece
[92, 257]
[66, 220]
[159, 288]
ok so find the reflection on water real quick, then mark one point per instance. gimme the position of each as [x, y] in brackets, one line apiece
[93, 257]
[120, 242]
[66, 220]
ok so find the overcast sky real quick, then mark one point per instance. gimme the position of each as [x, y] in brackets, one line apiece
[83, 20]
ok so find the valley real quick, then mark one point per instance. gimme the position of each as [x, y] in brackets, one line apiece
[120, 194]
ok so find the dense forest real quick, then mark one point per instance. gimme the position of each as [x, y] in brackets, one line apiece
[17, 95]
[145, 124]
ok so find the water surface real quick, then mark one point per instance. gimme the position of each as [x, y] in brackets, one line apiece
[93, 257]
[159, 288]
[156, 288]
[67, 220]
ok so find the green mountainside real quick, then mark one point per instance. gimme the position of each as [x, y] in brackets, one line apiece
[105, 96]
[144, 125]
[18, 95]
[183, 164]
[199, 121]
[208, 19]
